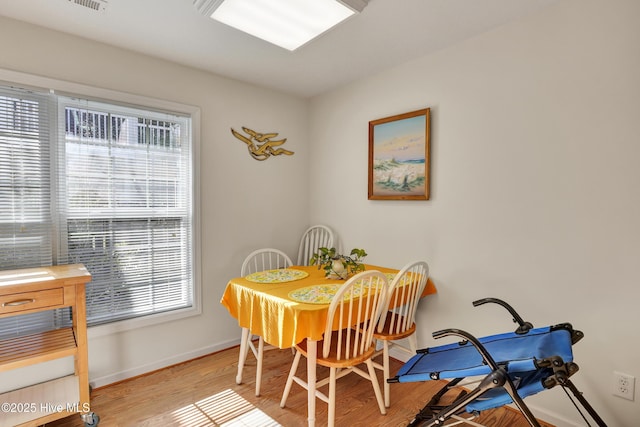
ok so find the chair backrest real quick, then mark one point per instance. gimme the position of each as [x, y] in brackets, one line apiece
[317, 236]
[404, 294]
[354, 313]
[265, 259]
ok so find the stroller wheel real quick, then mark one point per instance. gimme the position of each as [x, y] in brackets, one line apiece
[91, 419]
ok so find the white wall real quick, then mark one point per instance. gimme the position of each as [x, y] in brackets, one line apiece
[534, 199]
[245, 204]
[534, 185]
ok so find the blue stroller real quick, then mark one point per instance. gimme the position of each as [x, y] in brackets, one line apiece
[511, 366]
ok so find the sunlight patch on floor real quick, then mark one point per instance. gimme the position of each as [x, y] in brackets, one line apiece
[225, 409]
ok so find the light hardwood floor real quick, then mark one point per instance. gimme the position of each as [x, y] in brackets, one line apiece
[203, 392]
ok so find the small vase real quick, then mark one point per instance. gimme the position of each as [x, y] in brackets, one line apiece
[338, 270]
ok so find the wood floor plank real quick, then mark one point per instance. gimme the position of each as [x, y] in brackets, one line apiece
[203, 393]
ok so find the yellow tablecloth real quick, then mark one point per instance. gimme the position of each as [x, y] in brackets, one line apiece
[267, 310]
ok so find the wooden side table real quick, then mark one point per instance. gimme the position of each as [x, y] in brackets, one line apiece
[34, 290]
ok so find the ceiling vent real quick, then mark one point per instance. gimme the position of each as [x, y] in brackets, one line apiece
[97, 5]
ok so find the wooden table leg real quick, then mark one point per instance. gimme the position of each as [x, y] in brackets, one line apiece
[312, 355]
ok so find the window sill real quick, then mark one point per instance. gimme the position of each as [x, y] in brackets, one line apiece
[141, 322]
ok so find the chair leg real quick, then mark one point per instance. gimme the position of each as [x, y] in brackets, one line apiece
[244, 348]
[332, 397]
[259, 365]
[251, 347]
[385, 376]
[292, 373]
[376, 386]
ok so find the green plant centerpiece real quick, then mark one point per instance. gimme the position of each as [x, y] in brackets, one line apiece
[338, 266]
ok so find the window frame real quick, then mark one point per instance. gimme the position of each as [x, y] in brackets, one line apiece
[70, 89]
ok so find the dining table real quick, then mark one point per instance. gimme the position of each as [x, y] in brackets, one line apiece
[286, 306]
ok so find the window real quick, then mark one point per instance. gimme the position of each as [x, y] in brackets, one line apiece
[119, 200]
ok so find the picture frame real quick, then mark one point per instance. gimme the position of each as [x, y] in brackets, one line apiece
[399, 156]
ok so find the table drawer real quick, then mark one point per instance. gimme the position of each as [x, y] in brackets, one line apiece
[23, 301]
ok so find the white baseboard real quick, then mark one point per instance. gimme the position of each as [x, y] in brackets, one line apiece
[398, 354]
[159, 364]
[552, 417]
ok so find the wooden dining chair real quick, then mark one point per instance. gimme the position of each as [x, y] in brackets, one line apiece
[352, 317]
[258, 260]
[317, 236]
[398, 323]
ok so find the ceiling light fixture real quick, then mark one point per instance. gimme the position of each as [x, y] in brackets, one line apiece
[285, 23]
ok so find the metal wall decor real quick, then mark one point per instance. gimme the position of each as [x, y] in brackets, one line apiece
[260, 145]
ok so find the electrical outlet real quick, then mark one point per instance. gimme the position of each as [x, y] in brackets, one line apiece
[623, 385]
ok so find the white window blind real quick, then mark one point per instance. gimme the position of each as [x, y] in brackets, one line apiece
[127, 216]
[100, 184]
[26, 222]
[25, 180]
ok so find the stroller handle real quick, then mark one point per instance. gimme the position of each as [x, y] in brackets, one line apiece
[524, 326]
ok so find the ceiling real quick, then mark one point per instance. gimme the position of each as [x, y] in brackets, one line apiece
[385, 33]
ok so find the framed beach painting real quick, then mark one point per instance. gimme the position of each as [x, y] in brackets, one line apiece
[399, 157]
